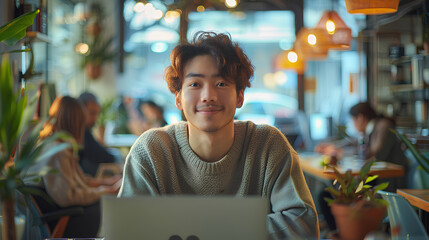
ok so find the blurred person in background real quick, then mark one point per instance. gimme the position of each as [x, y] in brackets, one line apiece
[69, 186]
[92, 153]
[143, 117]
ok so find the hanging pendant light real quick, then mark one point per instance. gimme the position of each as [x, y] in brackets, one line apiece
[372, 7]
[311, 43]
[290, 60]
[340, 36]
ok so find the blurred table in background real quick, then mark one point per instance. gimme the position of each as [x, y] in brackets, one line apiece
[418, 198]
[311, 163]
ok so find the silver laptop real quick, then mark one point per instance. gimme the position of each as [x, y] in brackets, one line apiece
[184, 217]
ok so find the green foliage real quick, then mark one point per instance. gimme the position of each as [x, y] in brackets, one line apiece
[16, 112]
[100, 51]
[15, 30]
[107, 112]
[353, 189]
[421, 159]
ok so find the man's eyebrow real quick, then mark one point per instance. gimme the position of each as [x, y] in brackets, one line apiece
[189, 75]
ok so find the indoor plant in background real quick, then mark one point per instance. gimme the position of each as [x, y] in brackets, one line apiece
[17, 153]
[100, 48]
[356, 209]
[422, 160]
[107, 114]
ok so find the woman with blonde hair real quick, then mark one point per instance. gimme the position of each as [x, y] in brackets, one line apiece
[69, 186]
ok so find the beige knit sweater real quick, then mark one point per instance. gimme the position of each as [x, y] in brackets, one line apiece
[260, 162]
[67, 187]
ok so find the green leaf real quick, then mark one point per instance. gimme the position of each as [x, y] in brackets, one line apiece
[333, 191]
[381, 186]
[421, 159]
[366, 167]
[15, 30]
[16, 51]
[360, 186]
[371, 178]
[53, 150]
[329, 201]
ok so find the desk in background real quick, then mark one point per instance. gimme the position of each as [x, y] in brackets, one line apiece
[418, 198]
[311, 164]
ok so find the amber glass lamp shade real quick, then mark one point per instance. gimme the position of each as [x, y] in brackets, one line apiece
[312, 43]
[340, 36]
[372, 7]
[290, 60]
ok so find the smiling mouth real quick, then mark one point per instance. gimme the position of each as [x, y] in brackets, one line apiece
[209, 109]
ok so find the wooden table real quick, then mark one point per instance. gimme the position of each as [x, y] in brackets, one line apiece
[420, 199]
[311, 164]
[417, 197]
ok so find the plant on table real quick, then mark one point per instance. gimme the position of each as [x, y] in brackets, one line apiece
[20, 146]
[354, 205]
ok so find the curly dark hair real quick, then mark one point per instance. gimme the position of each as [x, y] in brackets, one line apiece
[233, 63]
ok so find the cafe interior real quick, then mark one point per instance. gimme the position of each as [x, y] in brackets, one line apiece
[314, 61]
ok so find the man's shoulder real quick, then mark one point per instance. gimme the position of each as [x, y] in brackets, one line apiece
[159, 136]
[259, 128]
[263, 132]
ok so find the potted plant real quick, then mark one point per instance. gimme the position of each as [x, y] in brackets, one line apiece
[100, 50]
[106, 114]
[355, 208]
[17, 153]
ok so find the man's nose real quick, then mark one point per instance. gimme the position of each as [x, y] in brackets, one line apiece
[209, 94]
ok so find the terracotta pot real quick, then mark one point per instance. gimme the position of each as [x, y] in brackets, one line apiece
[354, 223]
[93, 29]
[93, 71]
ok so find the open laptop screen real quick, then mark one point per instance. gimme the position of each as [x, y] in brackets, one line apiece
[184, 217]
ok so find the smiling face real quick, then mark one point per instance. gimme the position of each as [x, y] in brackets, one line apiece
[207, 100]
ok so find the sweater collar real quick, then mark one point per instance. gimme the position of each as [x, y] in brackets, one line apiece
[219, 166]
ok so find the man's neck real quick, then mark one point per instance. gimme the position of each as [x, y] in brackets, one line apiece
[211, 146]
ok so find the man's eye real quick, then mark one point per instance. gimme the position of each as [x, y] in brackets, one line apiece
[221, 84]
[193, 85]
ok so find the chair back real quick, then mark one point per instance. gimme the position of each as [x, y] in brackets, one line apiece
[404, 222]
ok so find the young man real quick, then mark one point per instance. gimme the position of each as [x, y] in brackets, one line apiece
[211, 154]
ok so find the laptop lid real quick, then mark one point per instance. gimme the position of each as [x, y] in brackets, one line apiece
[184, 217]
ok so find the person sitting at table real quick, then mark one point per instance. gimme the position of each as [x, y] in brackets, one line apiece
[210, 153]
[377, 141]
[69, 186]
[92, 153]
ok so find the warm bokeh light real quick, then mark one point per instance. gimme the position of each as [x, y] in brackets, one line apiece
[330, 26]
[280, 77]
[82, 48]
[231, 3]
[171, 16]
[139, 7]
[269, 81]
[201, 8]
[292, 56]
[157, 14]
[311, 39]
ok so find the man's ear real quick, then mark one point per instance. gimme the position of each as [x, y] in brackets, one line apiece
[240, 98]
[178, 100]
